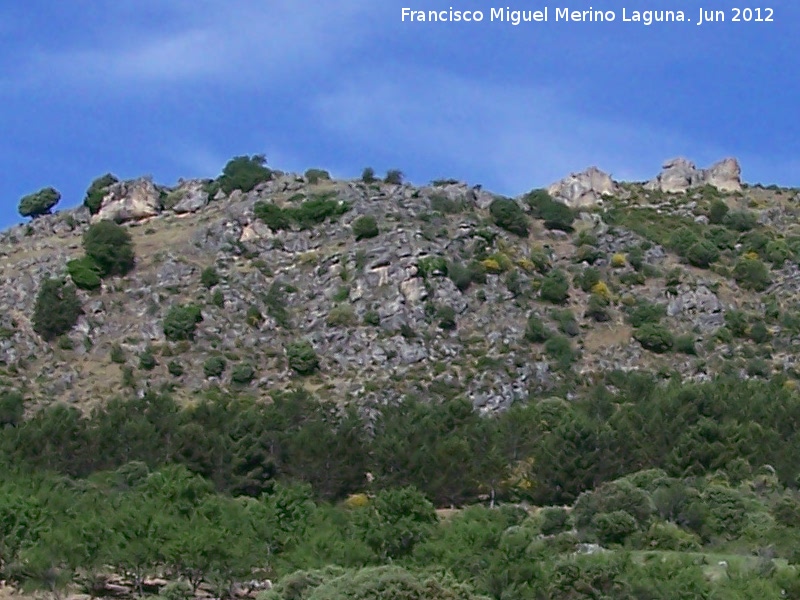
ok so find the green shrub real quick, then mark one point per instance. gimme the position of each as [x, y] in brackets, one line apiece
[740, 220]
[214, 366]
[39, 203]
[717, 212]
[56, 310]
[341, 316]
[243, 374]
[536, 331]
[209, 277]
[560, 349]
[685, 344]
[759, 333]
[567, 324]
[393, 177]
[646, 313]
[272, 216]
[589, 278]
[556, 215]
[752, 274]
[218, 298]
[446, 315]
[654, 337]
[777, 252]
[147, 360]
[722, 237]
[371, 317]
[507, 214]
[244, 173]
[681, 240]
[614, 527]
[117, 354]
[175, 368]
[431, 265]
[302, 357]
[97, 191]
[368, 175]
[110, 247]
[253, 317]
[12, 408]
[443, 204]
[314, 176]
[365, 227]
[315, 210]
[555, 287]
[597, 309]
[702, 254]
[180, 322]
[460, 275]
[553, 519]
[85, 274]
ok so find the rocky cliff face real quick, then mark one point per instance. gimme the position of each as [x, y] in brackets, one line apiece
[388, 315]
[679, 175]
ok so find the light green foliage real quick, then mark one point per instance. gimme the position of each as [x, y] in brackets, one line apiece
[740, 220]
[342, 315]
[39, 203]
[85, 273]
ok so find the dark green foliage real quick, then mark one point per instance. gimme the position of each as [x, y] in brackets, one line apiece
[777, 252]
[554, 519]
[147, 360]
[507, 214]
[12, 408]
[39, 203]
[85, 274]
[535, 330]
[682, 239]
[305, 216]
[341, 316]
[97, 191]
[429, 266]
[110, 247]
[218, 298]
[253, 317]
[365, 227]
[556, 215]
[244, 173]
[740, 220]
[614, 527]
[302, 357]
[446, 316]
[736, 322]
[555, 287]
[717, 212]
[443, 204]
[561, 351]
[57, 309]
[722, 237]
[588, 279]
[654, 337]
[243, 374]
[372, 317]
[702, 254]
[685, 344]
[646, 313]
[273, 216]
[209, 277]
[567, 324]
[460, 275]
[759, 332]
[117, 354]
[368, 175]
[175, 368]
[597, 309]
[752, 274]
[393, 177]
[314, 176]
[214, 366]
[180, 322]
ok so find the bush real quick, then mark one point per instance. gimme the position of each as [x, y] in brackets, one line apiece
[560, 349]
[209, 277]
[685, 344]
[97, 192]
[759, 333]
[655, 338]
[56, 310]
[117, 354]
[507, 214]
[460, 275]
[618, 261]
[243, 374]
[84, 273]
[314, 176]
[555, 287]
[446, 316]
[110, 247]
[181, 321]
[702, 254]
[740, 220]
[147, 361]
[175, 368]
[272, 216]
[777, 252]
[535, 330]
[12, 408]
[218, 299]
[214, 366]
[614, 527]
[431, 265]
[646, 313]
[315, 211]
[368, 175]
[39, 203]
[372, 317]
[341, 316]
[302, 357]
[588, 279]
[597, 309]
[393, 177]
[365, 227]
[681, 240]
[717, 212]
[244, 173]
[752, 274]
[554, 519]
[556, 215]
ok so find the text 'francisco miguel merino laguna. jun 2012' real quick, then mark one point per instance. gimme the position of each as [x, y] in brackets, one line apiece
[546, 14]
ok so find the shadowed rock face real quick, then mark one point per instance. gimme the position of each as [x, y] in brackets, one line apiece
[679, 175]
[580, 190]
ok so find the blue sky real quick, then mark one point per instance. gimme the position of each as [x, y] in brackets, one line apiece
[174, 88]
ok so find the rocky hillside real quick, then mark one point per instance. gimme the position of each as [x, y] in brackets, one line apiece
[438, 290]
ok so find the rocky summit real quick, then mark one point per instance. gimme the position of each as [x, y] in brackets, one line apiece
[368, 290]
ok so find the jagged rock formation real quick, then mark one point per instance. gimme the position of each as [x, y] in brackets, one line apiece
[585, 189]
[679, 175]
[130, 201]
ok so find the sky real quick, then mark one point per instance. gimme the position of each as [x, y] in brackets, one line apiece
[175, 88]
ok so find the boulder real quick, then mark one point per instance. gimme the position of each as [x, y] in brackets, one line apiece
[193, 197]
[584, 189]
[679, 175]
[130, 201]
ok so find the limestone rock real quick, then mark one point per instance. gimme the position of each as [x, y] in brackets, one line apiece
[130, 201]
[679, 175]
[584, 189]
[193, 197]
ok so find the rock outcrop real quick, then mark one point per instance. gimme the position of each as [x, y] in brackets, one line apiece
[586, 189]
[130, 201]
[679, 175]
